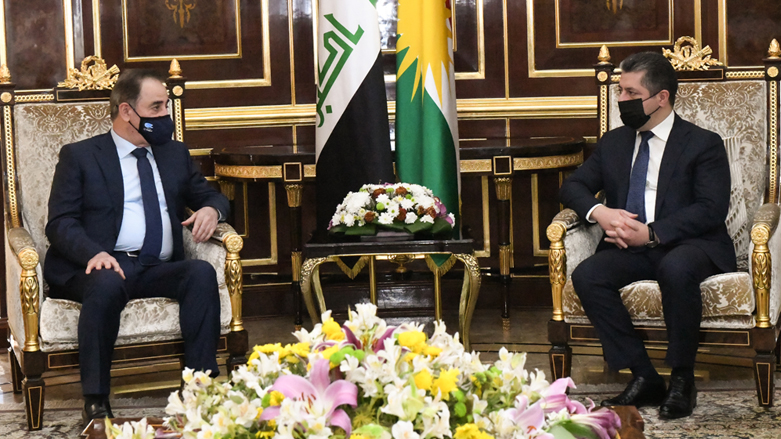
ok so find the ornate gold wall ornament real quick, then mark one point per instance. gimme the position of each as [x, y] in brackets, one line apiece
[92, 77]
[264, 172]
[604, 55]
[690, 57]
[177, 90]
[772, 71]
[175, 70]
[5, 75]
[181, 10]
[6, 97]
[774, 51]
[602, 76]
[480, 165]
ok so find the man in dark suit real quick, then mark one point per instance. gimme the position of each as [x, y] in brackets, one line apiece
[667, 188]
[116, 212]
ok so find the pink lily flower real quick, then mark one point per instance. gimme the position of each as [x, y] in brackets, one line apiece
[529, 419]
[320, 390]
[604, 422]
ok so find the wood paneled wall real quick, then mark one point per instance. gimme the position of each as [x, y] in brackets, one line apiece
[524, 68]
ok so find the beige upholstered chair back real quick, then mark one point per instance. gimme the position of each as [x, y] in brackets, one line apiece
[42, 129]
[736, 110]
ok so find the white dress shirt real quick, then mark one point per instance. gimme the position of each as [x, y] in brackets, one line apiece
[133, 228]
[656, 146]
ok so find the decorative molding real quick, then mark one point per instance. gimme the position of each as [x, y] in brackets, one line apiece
[687, 55]
[93, 75]
[551, 162]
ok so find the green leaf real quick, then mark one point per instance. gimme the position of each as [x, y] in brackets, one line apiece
[418, 226]
[578, 430]
[559, 432]
[368, 229]
[441, 227]
[341, 228]
[460, 409]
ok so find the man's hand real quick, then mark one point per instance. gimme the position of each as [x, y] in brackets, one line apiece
[104, 260]
[609, 219]
[204, 222]
[629, 233]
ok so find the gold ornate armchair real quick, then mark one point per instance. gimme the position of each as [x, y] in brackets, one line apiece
[740, 309]
[43, 331]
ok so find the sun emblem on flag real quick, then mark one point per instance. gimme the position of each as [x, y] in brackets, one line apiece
[422, 28]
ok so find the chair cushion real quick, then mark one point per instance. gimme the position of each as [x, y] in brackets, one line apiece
[728, 299]
[142, 320]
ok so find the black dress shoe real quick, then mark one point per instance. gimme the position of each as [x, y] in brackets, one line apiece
[680, 400]
[96, 410]
[639, 392]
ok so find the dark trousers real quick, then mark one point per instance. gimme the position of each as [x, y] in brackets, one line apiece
[103, 294]
[678, 270]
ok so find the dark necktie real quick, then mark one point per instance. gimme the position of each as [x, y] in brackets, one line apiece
[153, 240]
[635, 198]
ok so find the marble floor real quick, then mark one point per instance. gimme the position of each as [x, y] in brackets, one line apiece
[528, 333]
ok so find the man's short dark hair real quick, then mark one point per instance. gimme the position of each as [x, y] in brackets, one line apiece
[128, 87]
[659, 73]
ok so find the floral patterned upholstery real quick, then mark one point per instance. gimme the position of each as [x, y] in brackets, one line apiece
[41, 130]
[737, 111]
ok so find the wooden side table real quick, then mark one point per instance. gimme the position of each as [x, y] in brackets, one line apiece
[504, 158]
[462, 250]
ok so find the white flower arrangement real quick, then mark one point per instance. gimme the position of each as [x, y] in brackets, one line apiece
[401, 207]
[367, 380]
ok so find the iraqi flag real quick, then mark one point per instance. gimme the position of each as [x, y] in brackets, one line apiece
[426, 117]
[352, 131]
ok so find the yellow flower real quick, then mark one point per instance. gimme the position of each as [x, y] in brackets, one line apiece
[260, 412]
[414, 340]
[253, 356]
[470, 431]
[265, 434]
[433, 351]
[332, 330]
[269, 348]
[276, 398]
[300, 349]
[357, 436]
[327, 352]
[446, 382]
[409, 357]
[423, 380]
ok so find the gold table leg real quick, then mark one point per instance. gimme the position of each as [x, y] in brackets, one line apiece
[469, 293]
[308, 269]
[372, 281]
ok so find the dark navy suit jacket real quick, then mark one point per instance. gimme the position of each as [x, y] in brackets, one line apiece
[693, 191]
[87, 202]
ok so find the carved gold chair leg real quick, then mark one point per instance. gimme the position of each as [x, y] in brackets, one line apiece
[33, 388]
[238, 339]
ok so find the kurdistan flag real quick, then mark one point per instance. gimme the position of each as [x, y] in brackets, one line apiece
[352, 131]
[426, 118]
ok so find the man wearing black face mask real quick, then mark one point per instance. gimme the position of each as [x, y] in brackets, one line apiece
[116, 212]
[667, 188]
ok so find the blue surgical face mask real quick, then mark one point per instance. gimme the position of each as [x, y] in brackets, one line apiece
[155, 130]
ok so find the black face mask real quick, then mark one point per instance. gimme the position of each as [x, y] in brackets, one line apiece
[633, 114]
[155, 130]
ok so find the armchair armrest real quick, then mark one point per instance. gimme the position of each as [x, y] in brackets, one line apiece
[22, 247]
[226, 242]
[763, 268]
[568, 231]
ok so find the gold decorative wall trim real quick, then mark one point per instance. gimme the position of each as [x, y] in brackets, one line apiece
[200, 152]
[3, 41]
[486, 251]
[304, 114]
[43, 97]
[249, 172]
[273, 258]
[67, 16]
[97, 49]
[472, 166]
[532, 163]
[750, 74]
